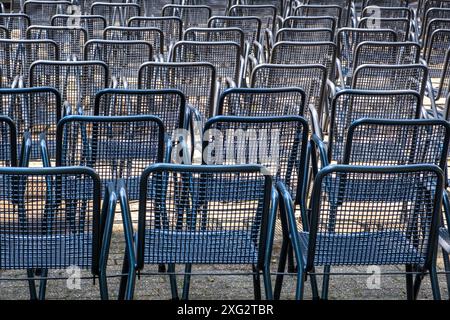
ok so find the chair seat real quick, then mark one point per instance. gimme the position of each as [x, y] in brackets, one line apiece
[364, 248]
[218, 247]
[49, 252]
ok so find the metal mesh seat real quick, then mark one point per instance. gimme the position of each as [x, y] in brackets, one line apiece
[116, 147]
[152, 35]
[70, 40]
[351, 105]
[304, 35]
[267, 13]
[224, 56]
[215, 35]
[16, 57]
[34, 111]
[169, 105]
[41, 12]
[333, 11]
[319, 22]
[116, 14]
[172, 27]
[94, 25]
[16, 23]
[77, 81]
[193, 16]
[387, 12]
[123, 58]
[401, 26]
[196, 80]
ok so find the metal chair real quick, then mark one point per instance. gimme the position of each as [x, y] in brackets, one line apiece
[16, 23]
[333, 11]
[215, 35]
[316, 22]
[193, 16]
[16, 57]
[432, 26]
[401, 26]
[116, 14]
[386, 3]
[70, 40]
[77, 82]
[304, 35]
[94, 25]
[387, 12]
[347, 14]
[266, 13]
[435, 52]
[396, 235]
[52, 219]
[123, 58]
[182, 221]
[41, 12]
[437, 14]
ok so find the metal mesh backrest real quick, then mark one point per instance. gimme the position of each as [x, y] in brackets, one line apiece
[432, 14]
[4, 33]
[444, 83]
[172, 27]
[386, 3]
[323, 53]
[345, 5]
[394, 215]
[432, 26]
[310, 23]
[115, 147]
[387, 53]
[35, 110]
[78, 81]
[215, 34]
[16, 56]
[168, 105]
[267, 13]
[70, 40]
[281, 5]
[310, 78]
[183, 220]
[8, 142]
[387, 12]
[389, 77]
[224, 56]
[333, 11]
[41, 12]
[152, 35]
[436, 52]
[351, 105]
[123, 58]
[399, 25]
[116, 14]
[195, 80]
[262, 102]
[304, 35]
[397, 142]
[277, 143]
[16, 23]
[349, 38]
[93, 24]
[192, 16]
[50, 218]
[251, 26]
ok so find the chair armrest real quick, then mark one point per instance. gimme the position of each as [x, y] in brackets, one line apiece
[271, 225]
[318, 143]
[315, 119]
[127, 227]
[44, 150]
[67, 109]
[269, 39]
[167, 149]
[230, 83]
[25, 151]
[340, 73]
[15, 82]
[259, 49]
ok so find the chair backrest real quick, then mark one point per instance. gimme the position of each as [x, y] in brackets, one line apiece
[50, 218]
[191, 15]
[333, 11]
[123, 58]
[350, 105]
[167, 104]
[319, 22]
[215, 35]
[304, 35]
[267, 13]
[387, 12]
[436, 51]
[116, 147]
[394, 53]
[8, 142]
[432, 26]
[386, 3]
[16, 23]
[224, 56]
[194, 219]
[401, 26]
[34, 111]
[431, 14]
[152, 35]
[94, 25]
[116, 14]
[368, 238]
[262, 102]
[77, 81]
[391, 77]
[311, 79]
[41, 12]
[16, 57]
[278, 143]
[197, 81]
[70, 40]
[345, 5]
[381, 142]
[172, 27]
[250, 26]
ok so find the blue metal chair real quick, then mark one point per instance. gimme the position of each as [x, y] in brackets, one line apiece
[92, 23]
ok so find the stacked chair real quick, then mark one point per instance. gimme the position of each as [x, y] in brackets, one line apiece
[209, 132]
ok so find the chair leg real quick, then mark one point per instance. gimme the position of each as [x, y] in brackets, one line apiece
[187, 281]
[435, 283]
[300, 284]
[103, 284]
[43, 284]
[256, 283]
[125, 277]
[31, 284]
[445, 257]
[326, 282]
[409, 282]
[281, 268]
[173, 282]
[267, 283]
[314, 287]
[417, 284]
[291, 264]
